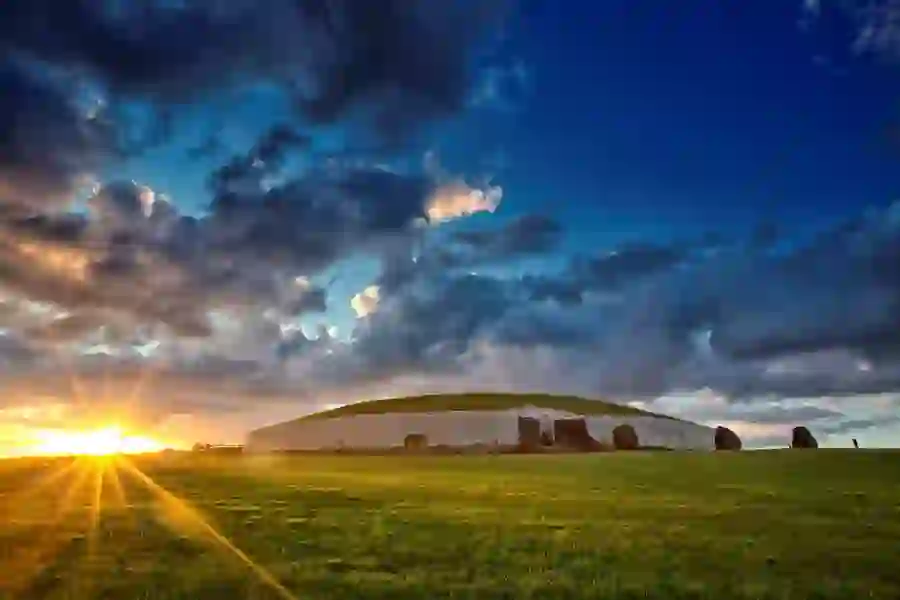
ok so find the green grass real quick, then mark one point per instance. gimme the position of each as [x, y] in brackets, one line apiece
[479, 402]
[780, 524]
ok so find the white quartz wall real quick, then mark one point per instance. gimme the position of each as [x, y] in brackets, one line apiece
[453, 428]
[655, 431]
[461, 428]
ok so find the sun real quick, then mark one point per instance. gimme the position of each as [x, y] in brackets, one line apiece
[98, 442]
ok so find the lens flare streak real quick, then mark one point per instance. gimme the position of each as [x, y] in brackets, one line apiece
[82, 483]
[183, 512]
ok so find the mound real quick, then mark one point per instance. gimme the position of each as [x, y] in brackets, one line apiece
[482, 402]
[528, 422]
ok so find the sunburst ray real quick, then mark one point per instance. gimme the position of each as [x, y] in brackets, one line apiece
[182, 514]
[31, 558]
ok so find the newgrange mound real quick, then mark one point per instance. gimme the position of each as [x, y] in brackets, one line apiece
[487, 422]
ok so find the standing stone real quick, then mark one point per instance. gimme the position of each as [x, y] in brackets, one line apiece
[802, 438]
[415, 442]
[573, 433]
[529, 433]
[726, 439]
[625, 437]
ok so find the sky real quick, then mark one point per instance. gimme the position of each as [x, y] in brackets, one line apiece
[216, 215]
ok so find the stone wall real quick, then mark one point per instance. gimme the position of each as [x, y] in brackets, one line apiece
[462, 428]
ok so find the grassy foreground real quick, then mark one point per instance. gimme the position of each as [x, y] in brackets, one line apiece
[801, 524]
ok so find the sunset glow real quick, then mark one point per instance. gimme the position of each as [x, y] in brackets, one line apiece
[97, 442]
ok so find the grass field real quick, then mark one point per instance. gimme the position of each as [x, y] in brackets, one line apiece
[781, 524]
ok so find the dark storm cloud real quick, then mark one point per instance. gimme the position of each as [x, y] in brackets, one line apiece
[646, 319]
[627, 264]
[565, 291]
[428, 308]
[68, 67]
[526, 325]
[266, 157]
[47, 145]
[350, 50]
[412, 56]
[71, 72]
[621, 268]
[309, 222]
[421, 257]
[134, 253]
[841, 291]
[306, 300]
[830, 306]
[528, 234]
[853, 425]
[816, 320]
[136, 256]
[429, 327]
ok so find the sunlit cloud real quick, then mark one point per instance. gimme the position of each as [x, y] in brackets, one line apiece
[365, 302]
[455, 200]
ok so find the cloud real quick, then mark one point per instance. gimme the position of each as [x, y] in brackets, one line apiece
[879, 28]
[228, 304]
[209, 298]
[349, 51]
[748, 323]
[651, 320]
[455, 200]
[859, 425]
[135, 255]
[75, 76]
[876, 23]
[627, 264]
[72, 74]
[48, 147]
[465, 250]
[366, 302]
[501, 86]
[527, 234]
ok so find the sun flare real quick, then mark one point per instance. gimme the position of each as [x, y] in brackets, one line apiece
[97, 442]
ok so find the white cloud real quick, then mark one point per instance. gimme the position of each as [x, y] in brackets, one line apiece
[366, 301]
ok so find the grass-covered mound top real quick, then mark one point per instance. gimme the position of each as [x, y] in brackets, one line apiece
[480, 402]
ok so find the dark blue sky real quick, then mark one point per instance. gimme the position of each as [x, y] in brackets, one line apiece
[681, 117]
[552, 195]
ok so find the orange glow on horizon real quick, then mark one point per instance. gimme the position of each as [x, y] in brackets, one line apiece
[98, 442]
